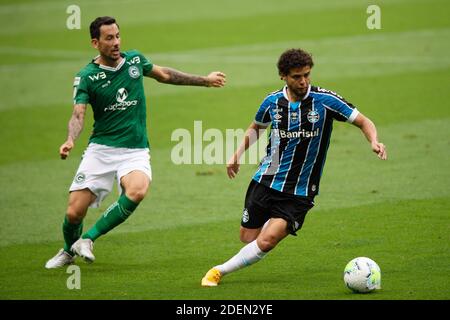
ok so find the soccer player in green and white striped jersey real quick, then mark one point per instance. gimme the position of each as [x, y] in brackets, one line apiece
[112, 83]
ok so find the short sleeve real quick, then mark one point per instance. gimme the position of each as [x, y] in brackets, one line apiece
[80, 90]
[147, 65]
[341, 109]
[262, 116]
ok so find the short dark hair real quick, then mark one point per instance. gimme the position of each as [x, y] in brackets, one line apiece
[293, 58]
[97, 23]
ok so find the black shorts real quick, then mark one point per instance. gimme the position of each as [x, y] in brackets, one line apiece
[263, 203]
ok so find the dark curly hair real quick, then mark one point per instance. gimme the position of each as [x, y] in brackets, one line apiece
[94, 28]
[293, 58]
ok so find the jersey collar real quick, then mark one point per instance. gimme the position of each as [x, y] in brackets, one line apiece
[110, 68]
[306, 95]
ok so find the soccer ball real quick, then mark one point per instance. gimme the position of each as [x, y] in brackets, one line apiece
[362, 275]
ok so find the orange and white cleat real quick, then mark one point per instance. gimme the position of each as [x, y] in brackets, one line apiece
[212, 278]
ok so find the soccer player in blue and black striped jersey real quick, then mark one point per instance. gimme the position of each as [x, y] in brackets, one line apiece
[283, 188]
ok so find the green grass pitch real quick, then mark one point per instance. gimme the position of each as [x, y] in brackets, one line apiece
[395, 212]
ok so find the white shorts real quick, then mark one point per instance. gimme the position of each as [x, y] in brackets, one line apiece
[102, 164]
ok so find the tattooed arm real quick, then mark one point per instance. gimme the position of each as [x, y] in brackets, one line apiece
[74, 129]
[172, 76]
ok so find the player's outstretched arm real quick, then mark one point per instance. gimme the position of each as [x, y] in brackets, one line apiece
[370, 131]
[74, 129]
[171, 76]
[251, 136]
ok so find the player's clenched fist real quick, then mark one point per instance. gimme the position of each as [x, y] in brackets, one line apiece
[65, 149]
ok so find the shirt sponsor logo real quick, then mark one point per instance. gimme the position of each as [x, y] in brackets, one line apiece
[299, 134]
[98, 76]
[122, 104]
[329, 91]
[134, 60]
[121, 95]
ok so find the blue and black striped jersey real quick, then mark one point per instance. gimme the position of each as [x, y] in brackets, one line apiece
[299, 138]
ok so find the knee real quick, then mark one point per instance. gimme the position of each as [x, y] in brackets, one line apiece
[73, 216]
[136, 195]
[267, 243]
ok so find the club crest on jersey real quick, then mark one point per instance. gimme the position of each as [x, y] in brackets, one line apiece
[313, 116]
[245, 216]
[133, 71]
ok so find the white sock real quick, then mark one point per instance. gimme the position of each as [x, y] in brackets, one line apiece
[248, 255]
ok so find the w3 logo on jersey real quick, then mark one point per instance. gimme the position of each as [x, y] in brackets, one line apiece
[98, 76]
[135, 60]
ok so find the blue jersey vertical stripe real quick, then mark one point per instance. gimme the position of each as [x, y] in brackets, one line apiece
[315, 157]
[311, 153]
[267, 161]
[287, 156]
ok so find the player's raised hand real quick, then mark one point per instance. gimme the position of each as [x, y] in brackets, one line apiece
[216, 79]
[65, 148]
[380, 149]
